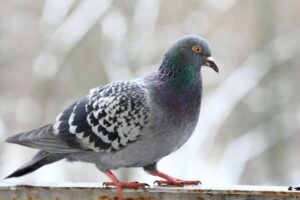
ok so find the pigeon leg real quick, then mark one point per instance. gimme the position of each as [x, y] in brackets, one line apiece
[119, 185]
[169, 181]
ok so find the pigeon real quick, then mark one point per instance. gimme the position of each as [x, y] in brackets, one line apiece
[133, 123]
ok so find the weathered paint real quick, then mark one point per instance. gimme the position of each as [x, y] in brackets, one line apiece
[88, 191]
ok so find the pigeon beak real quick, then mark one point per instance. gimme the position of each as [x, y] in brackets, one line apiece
[211, 63]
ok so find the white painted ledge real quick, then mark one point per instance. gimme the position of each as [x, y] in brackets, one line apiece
[86, 191]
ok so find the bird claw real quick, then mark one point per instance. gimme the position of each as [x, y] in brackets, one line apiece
[143, 185]
[175, 183]
[107, 184]
[146, 185]
[167, 183]
[126, 185]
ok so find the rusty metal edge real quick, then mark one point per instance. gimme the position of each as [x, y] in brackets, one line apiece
[226, 190]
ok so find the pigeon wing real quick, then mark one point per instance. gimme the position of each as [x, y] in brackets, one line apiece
[108, 119]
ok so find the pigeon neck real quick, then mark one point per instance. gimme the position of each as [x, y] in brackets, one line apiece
[179, 86]
[179, 75]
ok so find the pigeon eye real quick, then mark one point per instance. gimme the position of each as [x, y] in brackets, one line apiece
[197, 48]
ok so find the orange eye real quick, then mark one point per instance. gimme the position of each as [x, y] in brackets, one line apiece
[197, 48]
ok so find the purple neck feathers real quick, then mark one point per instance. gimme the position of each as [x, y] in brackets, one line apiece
[172, 88]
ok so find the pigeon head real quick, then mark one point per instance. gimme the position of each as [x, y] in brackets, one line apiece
[182, 63]
[191, 51]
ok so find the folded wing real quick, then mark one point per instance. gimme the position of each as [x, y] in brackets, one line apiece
[108, 119]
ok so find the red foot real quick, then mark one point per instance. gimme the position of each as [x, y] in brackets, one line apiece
[170, 181]
[176, 182]
[133, 185]
[119, 185]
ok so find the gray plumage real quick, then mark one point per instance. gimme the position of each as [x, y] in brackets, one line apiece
[128, 123]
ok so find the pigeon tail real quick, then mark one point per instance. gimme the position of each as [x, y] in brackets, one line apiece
[40, 159]
[43, 138]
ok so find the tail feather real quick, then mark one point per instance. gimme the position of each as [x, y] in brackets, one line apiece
[44, 139]
[40, 159]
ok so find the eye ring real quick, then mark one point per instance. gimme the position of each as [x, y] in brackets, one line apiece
[197, 49]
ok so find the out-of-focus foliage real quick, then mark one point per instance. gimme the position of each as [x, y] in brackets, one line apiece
[54, 51]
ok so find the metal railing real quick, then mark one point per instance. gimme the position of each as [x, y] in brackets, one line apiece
[97, 192]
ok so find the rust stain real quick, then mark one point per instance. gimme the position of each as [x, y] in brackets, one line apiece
[199, 198]
[104, 197]
[139, 198]
[33, 198]
[29, 187]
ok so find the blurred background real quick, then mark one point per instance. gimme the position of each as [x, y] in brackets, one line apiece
[53, 51]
